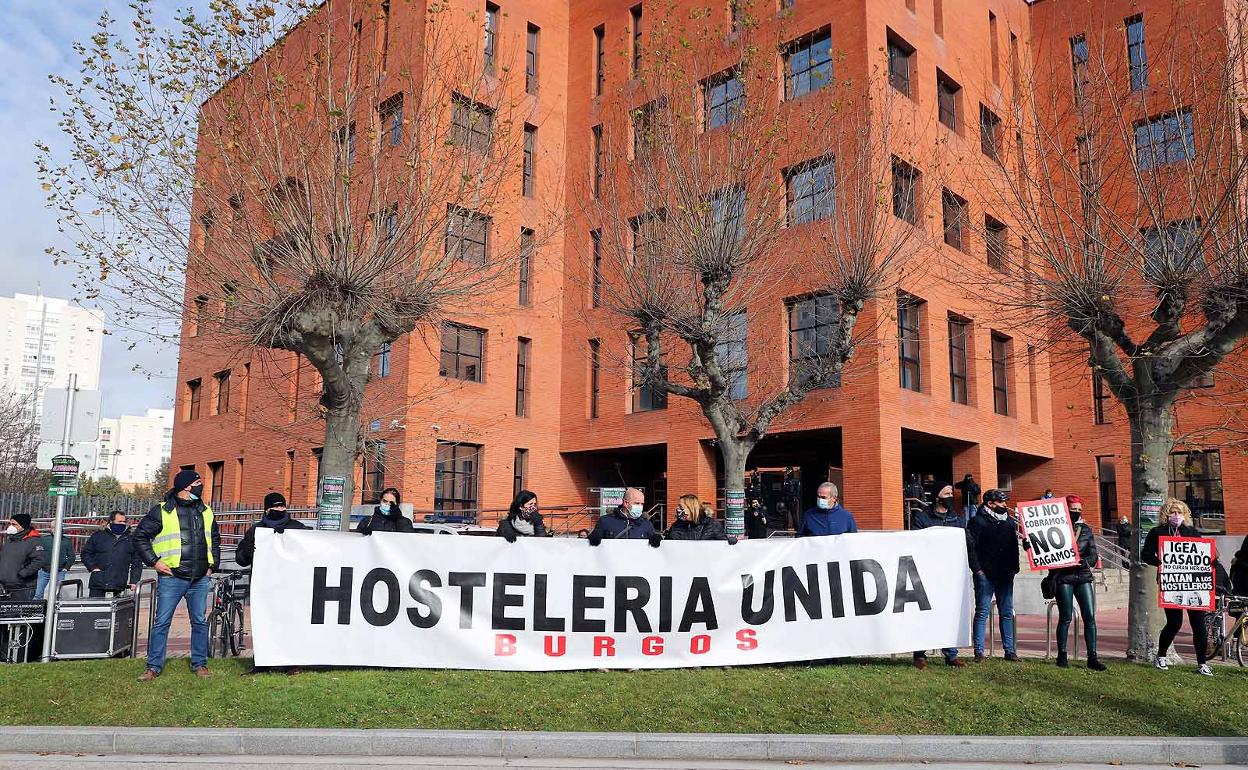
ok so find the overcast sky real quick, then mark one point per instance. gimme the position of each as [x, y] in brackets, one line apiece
[35, 40]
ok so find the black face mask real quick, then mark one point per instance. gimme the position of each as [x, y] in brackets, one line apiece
[117, 528]
[274, 514]
[198, 491]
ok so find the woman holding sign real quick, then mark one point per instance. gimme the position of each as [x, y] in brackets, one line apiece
[1176, 521]
[1074, 584]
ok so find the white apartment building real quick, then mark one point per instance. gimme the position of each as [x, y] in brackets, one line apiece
[133, 447]
[42, 341]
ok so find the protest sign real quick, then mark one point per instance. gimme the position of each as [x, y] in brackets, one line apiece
[1051, 536]
[401, 600]
[1185, 578]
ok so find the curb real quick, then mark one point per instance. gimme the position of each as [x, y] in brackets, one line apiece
[516, 745]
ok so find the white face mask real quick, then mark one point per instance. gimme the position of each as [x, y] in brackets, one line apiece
[634, 510]
[12, 530]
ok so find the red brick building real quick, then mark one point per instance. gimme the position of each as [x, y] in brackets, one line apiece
[526, 396]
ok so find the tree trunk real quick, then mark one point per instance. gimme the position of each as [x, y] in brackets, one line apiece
[734, 453]
[342, 430]
[1152, 440]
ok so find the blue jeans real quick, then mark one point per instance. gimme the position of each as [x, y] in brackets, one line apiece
[41, 582]
[985, 590]
[169, 591]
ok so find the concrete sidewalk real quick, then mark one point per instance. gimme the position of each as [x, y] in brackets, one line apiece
[693, 746]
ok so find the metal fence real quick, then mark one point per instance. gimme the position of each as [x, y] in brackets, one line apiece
[38, 505]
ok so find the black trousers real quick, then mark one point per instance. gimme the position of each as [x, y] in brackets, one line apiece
[100, 593]
[1174, 621]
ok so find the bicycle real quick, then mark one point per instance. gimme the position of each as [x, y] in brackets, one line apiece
[1231, 644]
[226, 632]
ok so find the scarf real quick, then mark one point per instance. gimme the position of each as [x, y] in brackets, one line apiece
[522, 526]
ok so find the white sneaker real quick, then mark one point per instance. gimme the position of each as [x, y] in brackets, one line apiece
[1162, 664]
[1204, 670]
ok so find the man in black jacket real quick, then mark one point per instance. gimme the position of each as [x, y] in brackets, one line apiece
[992, 540]
[20, 557]
[626, 522]
[275, 518]
[179, 539]
[940, 515]
[112, 559]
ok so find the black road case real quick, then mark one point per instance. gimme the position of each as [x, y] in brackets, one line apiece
[94, 628]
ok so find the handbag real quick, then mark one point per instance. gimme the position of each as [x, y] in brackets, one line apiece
[1048, 586]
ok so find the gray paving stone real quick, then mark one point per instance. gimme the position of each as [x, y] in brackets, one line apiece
[174, 740]
[261, 742]
[953, 748]
[1092, 750]
[67, 739]
[1208, 751]
[584, 745]
[435, 743]
[694, 746]
[833, 748]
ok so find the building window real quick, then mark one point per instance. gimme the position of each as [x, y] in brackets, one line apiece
[953, 208]
[635, 22]
[390, 113]
[199, 313]
[194, 391]
[472, 125]
[462, 353]
[646, 129]
[810, 191]
[595, 287]
[723, 99]
[900, 63]
[387, 224]
[288, 475]
[229, 302]
[905, 191]
[345, 144]
[455, 477]
[522, 376]
[959, 338]
[808, 64]
[374, 462]
[596, 135]
[600, 59]
[525, 281]
[1000, 374]
[530, 140]
[995, 242]
[1079, 66]
[595, 350]
[1100, 400]
[216, 472]
[646, 231]
[994, 48]
[947, 94]
[1137, 57]
[1196, 479]
[381, 360]
[1164, 139]
[530, 59]
[647, 395]
[728, 214]
[491, 37]
[223, 391]
[467, 235]
[519, 471]
[989, 133]
[1170, 249]
[732, 353]
[813, 324]
[909, 343]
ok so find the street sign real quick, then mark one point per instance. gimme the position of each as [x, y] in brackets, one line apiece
[610, 498]
[84, 422]
[329, 503]
[734, 512]
[64, 476]
[84, 451]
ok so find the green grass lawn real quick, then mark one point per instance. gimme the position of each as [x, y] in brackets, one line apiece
[882, 696]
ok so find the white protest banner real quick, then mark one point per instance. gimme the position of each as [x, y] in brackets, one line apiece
[428, 601]
[1051, 536]
[1185, 579]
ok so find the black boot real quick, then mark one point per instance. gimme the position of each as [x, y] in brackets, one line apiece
[1061, 659]
[1095, 664]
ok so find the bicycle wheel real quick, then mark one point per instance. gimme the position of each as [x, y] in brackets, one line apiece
[1215, 635]
[216, 635]
[237, 632]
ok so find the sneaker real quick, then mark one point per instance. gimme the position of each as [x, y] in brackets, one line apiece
[149, 675]
[1095, 664]
[1161, 663]
[1061, 660]
[979, 657]
[1204, 670]
[1012, 657]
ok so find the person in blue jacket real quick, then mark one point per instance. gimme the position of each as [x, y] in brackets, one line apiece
[626, 522]
[828, 517]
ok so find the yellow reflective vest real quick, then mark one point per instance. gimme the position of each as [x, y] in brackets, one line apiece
[168, 544]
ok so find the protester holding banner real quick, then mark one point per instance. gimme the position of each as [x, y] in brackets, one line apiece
[522, 518]
[941, 515]
[1074, 584]
[828, 517]
[695, 520]
[275, 518]
[1176, 520]
[387, 516]
[993, 550]
[626, 522]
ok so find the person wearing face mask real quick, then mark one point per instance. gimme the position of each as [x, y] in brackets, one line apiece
[755, 520]
[523, 519]
[1074, 584]
[1122, 530]
[626, 522]
[993, 536]
[387, 516]
[67, 557]
[180, 540]
[695, 520]
[941, 514]
[828, 517]
[111, 558]
[275, 518]
[1176, 520]
[20, 557]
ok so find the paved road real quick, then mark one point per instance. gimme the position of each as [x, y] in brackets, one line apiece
[156, 762]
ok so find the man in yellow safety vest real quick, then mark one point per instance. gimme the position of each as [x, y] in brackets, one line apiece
[179, 539]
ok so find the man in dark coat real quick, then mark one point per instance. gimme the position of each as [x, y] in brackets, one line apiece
[993, 539]
[275, 518]
[828, 517]
[111, 558]
[941, 514]
[970, 495]
[626, 522]
[755, 521]
[1124, 532]
[20, 558]
[387, 516]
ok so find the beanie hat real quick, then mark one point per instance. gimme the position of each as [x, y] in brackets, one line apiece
[184, 479]
[945, 491]
[1073, 500]
[274, 498]
[22, 519]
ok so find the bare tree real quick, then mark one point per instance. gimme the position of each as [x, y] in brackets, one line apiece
[1131, 203]
[714, 200]
[338, 187]
[18, 444]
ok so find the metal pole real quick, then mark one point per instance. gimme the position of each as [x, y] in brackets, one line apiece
[54, 566]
